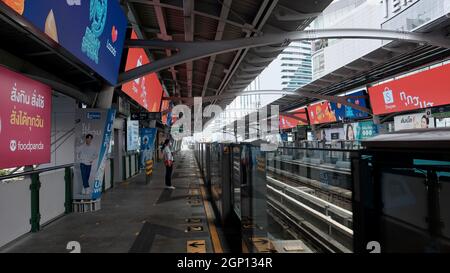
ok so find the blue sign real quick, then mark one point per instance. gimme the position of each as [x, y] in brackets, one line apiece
[148, 136]
[339, 110]
[346, 112]
[284, 136]
[92, 30]
[104, 148]
[94, 115]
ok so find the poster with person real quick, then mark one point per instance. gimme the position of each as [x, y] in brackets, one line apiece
[413, 121]
[93, 129]
[148, 136]
[360, 130]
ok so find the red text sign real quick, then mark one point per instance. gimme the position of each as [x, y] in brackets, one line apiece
[422, 90]
[25, 120]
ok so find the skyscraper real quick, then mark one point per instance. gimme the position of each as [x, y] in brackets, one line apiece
[296, 68]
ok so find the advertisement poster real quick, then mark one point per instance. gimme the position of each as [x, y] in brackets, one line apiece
[338, 110]
[93, 31]
[343, 112]
[25, 120]
[413, 121]
[287, 122]
[360, 130]
[334, 134]
[148, 136]
[147, 90]
[93, 129]
[321, 113]
[418, 91]
[132, 135]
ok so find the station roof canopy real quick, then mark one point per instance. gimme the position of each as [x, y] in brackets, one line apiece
[389, 60]
[206, 20]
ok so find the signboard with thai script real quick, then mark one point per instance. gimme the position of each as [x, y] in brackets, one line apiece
[413, 121]
[92, 30]
[422, 90]
[25, 120]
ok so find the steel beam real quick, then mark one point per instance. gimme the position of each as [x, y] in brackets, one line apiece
[219, 34]
[190, 51]
[286, 14]
[188, 7]
[179, 8]
[163, 35]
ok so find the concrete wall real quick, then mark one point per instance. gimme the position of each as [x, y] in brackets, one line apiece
[342, 52]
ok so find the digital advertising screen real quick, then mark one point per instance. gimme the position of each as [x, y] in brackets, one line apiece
[343, 112]
[321, 113]
[93, 31]
[418, 91]
[288, 122]
[147, 90]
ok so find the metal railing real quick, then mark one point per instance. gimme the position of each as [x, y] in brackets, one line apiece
[36, 185]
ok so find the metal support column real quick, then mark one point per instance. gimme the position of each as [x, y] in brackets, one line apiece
[35, 215]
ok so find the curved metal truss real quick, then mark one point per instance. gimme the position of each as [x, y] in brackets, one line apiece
[190, 51]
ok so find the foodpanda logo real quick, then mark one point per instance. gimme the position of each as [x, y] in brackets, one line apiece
[13, 145]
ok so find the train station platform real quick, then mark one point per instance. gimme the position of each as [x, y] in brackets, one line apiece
[137, 217]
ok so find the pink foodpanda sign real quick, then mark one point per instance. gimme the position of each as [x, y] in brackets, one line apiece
[25, 120]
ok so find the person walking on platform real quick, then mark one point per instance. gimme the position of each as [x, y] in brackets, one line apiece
[168, 161]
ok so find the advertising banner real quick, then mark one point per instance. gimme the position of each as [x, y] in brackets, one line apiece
[148, 136]
[93, 31]
[25, 120]
[346, 112]
[321, 113]
[132, 135]
[93, 130]
[360, 130]
[334, 134]
[413, 121]
[338, 110]
[422, 90]
[147, 90]
[287, 122]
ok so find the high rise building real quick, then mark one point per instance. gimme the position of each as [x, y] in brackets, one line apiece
[296, 68]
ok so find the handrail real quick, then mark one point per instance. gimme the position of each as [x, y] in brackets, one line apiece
[9, 176]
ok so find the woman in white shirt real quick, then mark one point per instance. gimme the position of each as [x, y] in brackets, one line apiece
[168, 162]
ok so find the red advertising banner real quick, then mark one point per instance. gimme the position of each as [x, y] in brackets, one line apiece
[147, 91]
[422, 90]
[25, 120]
[287, 122]
[164, 107]
[321, 113]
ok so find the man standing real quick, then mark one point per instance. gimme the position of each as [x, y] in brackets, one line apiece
[86, 154]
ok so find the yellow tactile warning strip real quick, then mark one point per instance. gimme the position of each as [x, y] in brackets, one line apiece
[212, 227]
